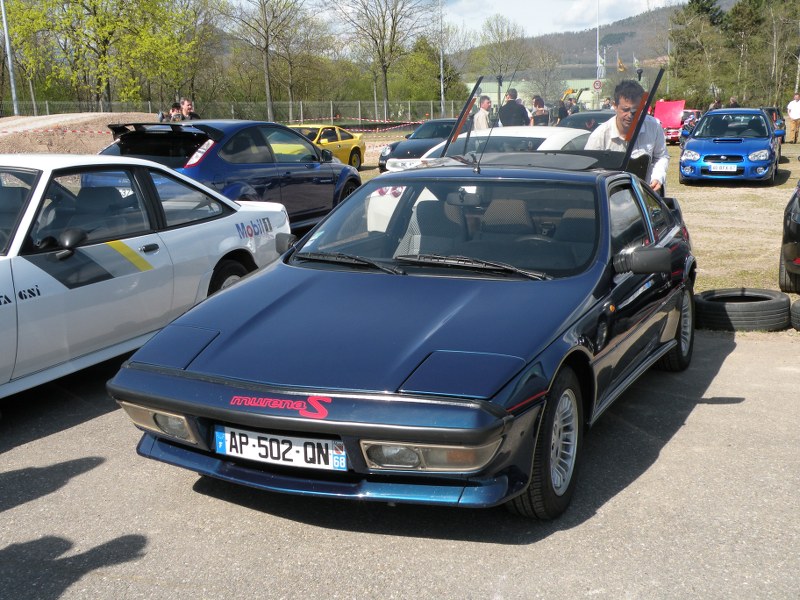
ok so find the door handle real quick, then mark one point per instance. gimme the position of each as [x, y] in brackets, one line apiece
[148, 248]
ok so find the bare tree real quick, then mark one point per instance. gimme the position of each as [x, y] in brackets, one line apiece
[387, 28]
[504, 50]
[259, 23]
[545, 72]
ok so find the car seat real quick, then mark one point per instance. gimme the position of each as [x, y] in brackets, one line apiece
[506, 218]
[434, 227]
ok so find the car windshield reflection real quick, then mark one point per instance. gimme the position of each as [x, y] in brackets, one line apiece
[492, 227]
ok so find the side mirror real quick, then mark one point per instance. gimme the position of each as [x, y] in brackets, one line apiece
[327, 156]
[408, 135]
[644, 260]
[69, 239]
[780, 132]
[284, 241]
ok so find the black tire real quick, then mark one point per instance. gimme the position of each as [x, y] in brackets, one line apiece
[225, 275]
[349, 188]
[788, 282]
[552, 483]
[795, 315]
[742, 309]
[355, 160]
[680, 357]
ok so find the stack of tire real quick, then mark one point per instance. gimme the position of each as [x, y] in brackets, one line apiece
[746, 309]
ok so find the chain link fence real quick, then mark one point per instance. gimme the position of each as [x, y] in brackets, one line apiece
[353, 114]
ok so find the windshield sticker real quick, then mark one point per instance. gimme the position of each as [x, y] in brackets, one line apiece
[311, 408]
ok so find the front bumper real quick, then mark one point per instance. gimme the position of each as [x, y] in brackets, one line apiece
[349, 418]
[745, 170]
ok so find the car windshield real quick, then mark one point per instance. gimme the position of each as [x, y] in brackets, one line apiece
[432, 129]
[309, 132]
[15, 187]
[450, 226]
[732, 125]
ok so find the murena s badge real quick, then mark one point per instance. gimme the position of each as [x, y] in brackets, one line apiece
[311, 408]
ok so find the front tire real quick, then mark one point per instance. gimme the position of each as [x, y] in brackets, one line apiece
[348, 189]
[788, 282]
[557, 454]
[225, 275]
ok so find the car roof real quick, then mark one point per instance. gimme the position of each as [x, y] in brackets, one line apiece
[50, 162]
[736, 111]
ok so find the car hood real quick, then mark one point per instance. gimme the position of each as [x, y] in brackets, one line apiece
[414, 148]
[294, 327]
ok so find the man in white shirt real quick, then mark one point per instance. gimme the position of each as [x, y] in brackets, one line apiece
[611, 134]
[481, 120]
[793, 119]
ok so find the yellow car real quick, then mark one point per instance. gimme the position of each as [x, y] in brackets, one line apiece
[347, 147]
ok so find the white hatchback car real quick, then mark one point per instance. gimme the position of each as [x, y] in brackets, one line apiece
[97, 253]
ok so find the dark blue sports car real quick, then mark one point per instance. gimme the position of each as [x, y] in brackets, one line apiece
[445, 336]
[245, 160]
[417, 143]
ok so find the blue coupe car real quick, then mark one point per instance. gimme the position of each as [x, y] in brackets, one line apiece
[445, 336]
[245, 160]
[732, 144]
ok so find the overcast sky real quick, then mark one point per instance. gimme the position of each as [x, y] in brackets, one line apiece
[539, 17]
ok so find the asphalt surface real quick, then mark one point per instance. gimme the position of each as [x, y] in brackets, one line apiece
[689, 489]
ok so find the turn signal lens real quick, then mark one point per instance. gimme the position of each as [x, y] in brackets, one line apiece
[160, 422]
[427, 457]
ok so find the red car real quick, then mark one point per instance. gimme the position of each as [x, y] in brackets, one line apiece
[673, 134]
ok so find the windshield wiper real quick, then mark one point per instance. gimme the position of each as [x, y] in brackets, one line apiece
[341, 257]
[467, 262]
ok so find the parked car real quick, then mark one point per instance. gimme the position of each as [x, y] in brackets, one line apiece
[731, 144]
[673, 134]
[586, 119]
[346, 146]
[445, 336]
[89, 271]
[519, 138]
[423, 138]
[789, 261]
[245, 160]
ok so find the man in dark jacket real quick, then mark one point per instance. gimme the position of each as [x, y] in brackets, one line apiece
[512, 113]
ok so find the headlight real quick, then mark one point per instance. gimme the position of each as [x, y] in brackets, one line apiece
[760, 155]
[386, 151]
[401, 164]
[405, 456]
[690, 155]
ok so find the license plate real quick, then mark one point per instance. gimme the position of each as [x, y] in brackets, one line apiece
[723, 168]
[309, 453]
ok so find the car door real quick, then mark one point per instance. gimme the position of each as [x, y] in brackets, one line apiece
[246, 168]
[8, 320]
[632, 317]
[307, 183]
[192, 234]
[329, 140]
[92, 273]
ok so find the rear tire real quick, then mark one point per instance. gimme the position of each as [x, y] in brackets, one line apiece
[680, 357]
[225, 275]
[557, 454]
[348, 189]
[355, 160]
[788, 282]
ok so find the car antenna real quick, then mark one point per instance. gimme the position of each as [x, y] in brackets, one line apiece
[641, 113]
[466, 113]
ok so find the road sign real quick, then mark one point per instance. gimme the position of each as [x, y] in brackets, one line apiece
[597, 85]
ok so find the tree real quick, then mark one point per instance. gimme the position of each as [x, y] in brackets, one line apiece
[386, 28]
[259, 23]
[504, 51]
[545, 72]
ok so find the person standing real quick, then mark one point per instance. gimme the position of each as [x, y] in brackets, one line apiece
[733, 103]
[611, 134]
[717, 103]
[793, 119]
[562, 111]
[512, 113]
[481, 120]
[187, 110]
[540, 115]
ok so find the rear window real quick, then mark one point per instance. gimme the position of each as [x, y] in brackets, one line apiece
[167, 148]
